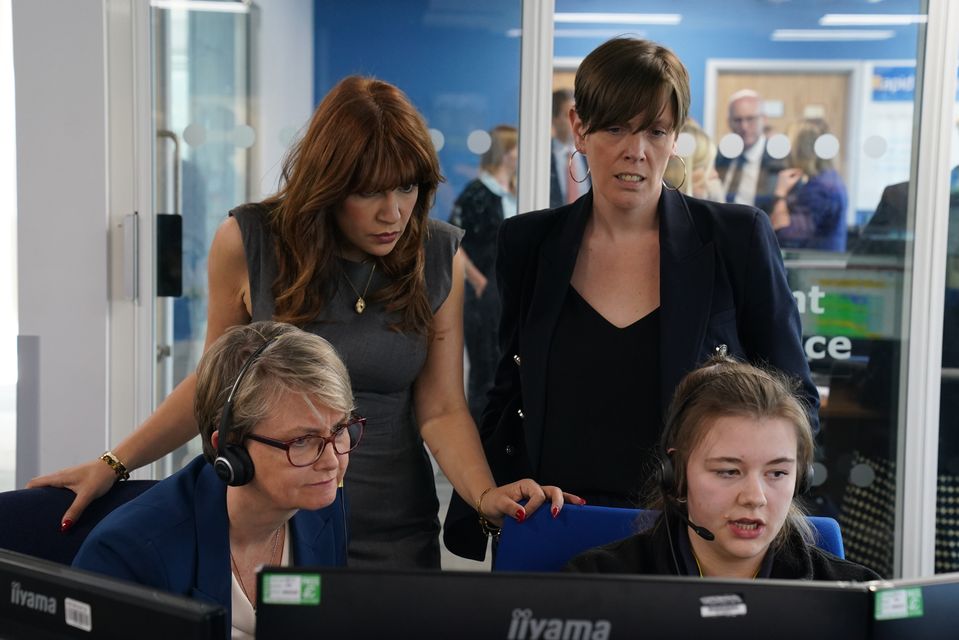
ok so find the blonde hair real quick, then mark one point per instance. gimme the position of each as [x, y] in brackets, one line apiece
[703, 157]
[294, 361]
[503, 139]
[802, 137]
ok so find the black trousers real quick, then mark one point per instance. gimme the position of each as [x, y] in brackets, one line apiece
[481, 330]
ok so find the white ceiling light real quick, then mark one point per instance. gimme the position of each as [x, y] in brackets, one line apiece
[593, 33]
[243, 6]
[870, 19]
[619, 18]
[814, 35]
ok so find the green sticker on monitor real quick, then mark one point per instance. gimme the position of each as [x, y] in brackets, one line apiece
[893, 604]
[291, 588]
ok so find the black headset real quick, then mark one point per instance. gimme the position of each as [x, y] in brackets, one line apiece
[666, 477]
[233, 463]
[667, 474]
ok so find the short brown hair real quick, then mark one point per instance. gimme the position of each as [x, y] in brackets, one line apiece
[725, 387]
[624, 77]
[295, 361]
[560, 98]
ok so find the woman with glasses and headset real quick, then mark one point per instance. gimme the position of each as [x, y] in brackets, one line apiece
[276, 420]
[346, 250]
[735, 456]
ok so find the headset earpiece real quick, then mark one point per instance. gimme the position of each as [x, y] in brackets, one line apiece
[233, 463]
[234, 466]
[667, 476]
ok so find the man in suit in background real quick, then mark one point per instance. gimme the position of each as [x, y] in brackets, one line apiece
[563, 187]
[750, 178]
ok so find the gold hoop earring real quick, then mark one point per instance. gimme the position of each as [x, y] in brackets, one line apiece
[680, 185]
[569, 167]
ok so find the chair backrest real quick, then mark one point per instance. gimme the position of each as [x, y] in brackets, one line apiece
[31, 518]
[544, 543]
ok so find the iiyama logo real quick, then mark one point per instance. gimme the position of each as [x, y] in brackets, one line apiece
[525, 627]
[36, 601]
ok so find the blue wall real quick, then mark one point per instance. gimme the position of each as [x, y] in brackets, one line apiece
[741, 29]
[460, 66]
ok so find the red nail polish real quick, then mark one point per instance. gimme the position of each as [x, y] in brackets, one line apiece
[65, 525]
[520, 515]
[554, 511]
[581, 501]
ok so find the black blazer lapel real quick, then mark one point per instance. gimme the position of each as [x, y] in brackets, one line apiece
[554, 269]
[687, 273]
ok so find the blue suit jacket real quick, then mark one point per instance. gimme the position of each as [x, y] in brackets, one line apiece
[176, 537]
[722, 282]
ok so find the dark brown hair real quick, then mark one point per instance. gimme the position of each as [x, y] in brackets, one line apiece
[365, 136]
[624, 77]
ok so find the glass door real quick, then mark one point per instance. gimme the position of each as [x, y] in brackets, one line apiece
[201, 88]
[816, 85]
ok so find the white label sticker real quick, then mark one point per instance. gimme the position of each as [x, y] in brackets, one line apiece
[78, 614]
[725, 606]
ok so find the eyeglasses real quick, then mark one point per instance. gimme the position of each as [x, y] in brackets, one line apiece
[305, 450]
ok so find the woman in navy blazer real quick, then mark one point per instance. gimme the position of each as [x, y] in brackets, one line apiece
[609, 301]
[274, 404]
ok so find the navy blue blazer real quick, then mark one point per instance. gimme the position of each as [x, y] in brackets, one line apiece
[176, 537]
[722, 282]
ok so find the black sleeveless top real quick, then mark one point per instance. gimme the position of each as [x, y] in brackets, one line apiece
[597, 370]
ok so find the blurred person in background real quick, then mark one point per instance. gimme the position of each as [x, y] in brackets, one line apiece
[479, 210]
[809, 203]
[750, 177]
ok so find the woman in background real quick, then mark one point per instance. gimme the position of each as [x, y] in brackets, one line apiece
[736, 453]
[479, 211]
[702, 180]
[810, 200]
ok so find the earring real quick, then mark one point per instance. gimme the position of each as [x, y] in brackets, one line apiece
[569, 167]
[680, 185]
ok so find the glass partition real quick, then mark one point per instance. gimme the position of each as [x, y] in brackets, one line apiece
[202, 119]
[947, 508]
[812, 101]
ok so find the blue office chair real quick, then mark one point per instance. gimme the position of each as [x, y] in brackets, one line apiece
[544, 543]
[31, 518]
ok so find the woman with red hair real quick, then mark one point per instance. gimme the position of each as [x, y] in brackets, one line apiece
[345, 249]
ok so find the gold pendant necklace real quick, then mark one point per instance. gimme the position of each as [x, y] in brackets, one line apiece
[360, 305]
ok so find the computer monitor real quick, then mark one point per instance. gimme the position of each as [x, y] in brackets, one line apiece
[344, 603]
[42, 600]
[925, 608]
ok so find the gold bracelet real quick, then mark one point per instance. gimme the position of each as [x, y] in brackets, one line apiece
[490, 530]
[114, 463]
